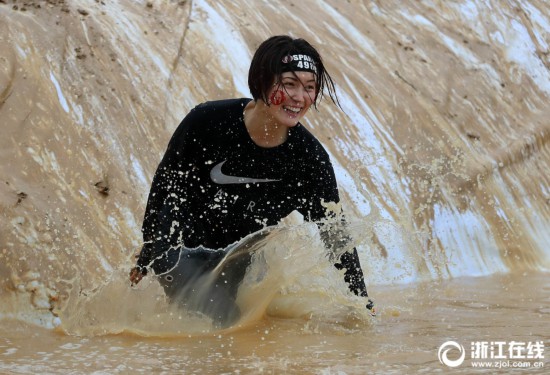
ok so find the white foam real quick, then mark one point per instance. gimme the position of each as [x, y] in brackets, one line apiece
[469, 10]
[369, 148]
[84, 194]
[348, 184]
[497, 36]
[10, 351]
[113, 223]
[131, 223]
[462, 235]
[522, 51]
[467, 57]
[399, 266]
[60, 95]
[538, 20]
[351, 31]
[139, 171]
[230, 45]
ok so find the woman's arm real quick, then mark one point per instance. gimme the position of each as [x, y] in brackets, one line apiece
[325, 189]
[167, 206]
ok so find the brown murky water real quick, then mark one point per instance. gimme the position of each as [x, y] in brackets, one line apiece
[413, 321]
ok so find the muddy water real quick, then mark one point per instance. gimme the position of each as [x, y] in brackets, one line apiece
[413, 321]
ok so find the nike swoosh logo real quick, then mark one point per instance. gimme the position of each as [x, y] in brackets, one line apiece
[220, 178]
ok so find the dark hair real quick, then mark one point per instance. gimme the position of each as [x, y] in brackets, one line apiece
[266, 67]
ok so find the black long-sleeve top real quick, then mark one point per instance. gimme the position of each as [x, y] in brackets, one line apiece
[214, 185]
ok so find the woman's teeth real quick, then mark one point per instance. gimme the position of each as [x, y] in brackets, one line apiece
[294, 110]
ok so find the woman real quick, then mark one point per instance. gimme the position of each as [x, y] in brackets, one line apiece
[235, 166]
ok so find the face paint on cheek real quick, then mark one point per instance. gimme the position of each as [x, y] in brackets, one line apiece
[277, 97]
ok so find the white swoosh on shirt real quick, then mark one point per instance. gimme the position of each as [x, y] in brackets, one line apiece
[219, 177]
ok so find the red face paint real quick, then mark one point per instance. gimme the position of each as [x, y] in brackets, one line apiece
[277, 97]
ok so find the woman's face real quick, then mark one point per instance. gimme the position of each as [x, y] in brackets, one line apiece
[290, 99]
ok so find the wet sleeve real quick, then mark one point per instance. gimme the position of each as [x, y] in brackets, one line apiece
[353, 275]
[167, 208]
[325, 189]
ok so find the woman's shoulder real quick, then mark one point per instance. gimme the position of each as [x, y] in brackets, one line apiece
[308, 143]
[224, 106]
[209, 116]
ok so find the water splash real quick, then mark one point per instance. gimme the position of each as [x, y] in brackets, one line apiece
[289, 273]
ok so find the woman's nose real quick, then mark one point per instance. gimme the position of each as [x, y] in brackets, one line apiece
[299, 94]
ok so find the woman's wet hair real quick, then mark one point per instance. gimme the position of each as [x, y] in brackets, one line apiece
[274, 57]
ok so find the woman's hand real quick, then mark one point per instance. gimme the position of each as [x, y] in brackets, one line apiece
[370, 307]
[136, 275]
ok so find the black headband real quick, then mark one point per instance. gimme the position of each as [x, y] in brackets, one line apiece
[299, 62]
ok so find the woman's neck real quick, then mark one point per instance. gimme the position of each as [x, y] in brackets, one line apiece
[262, 128]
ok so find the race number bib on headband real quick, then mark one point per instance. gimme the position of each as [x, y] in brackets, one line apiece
[299, 63]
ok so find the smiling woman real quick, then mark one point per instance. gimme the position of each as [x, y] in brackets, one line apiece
[235, 166]
[289, 100]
